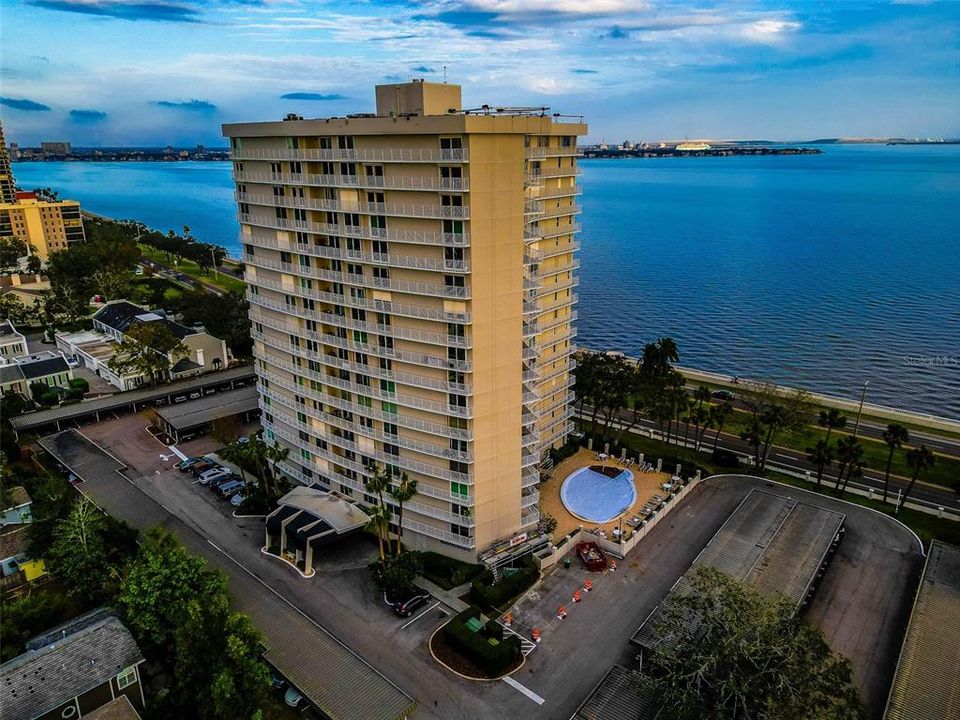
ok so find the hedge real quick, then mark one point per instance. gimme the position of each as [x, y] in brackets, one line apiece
[487, 593]
[80, 383]
[447, 572]
[492, 659]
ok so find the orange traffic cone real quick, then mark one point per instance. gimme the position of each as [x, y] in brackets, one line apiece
[576, 596]
[536, 635]
[588, 585]
[561, 613]
[508, 619]
[613, 566]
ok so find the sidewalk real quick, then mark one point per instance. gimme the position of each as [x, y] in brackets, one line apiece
[450, 598]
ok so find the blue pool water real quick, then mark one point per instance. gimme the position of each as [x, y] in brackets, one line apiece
[594, 497]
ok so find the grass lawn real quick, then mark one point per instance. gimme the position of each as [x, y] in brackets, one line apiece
[945, 473]
[188, 267]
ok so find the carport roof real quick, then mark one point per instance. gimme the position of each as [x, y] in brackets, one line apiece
[926, 685]
[619, 696]
[120, 400]
[209, 408]
[342, 515]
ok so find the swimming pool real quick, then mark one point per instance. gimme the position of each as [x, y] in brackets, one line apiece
[597, 493]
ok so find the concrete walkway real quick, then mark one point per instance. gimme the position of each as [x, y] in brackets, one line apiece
[450, 598]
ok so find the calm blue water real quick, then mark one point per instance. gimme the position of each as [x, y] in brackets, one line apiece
[816, 271]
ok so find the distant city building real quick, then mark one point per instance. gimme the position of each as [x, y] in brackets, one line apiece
[44, 224]
[412, 278]
[7, 183]
[14, 151]
[55, 148]
[693, 146]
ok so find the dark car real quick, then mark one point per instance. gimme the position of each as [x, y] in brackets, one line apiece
[190, 463]
[203, 466]
[723, 395]
[405, 608]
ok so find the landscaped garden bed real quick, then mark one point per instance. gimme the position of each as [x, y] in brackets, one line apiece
[447, 572]
[513, 582]
[474, 649]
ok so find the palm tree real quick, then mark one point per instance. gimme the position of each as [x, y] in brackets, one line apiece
[701, 395]
[894, 436]
[919, 459]
[720, 415]
[403, 491]
[832, 420]
[379, 523]
[820, 455]
[237, 453]
[378, 483]
[849, 454]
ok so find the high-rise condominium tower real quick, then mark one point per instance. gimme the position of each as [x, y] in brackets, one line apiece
[412, 280]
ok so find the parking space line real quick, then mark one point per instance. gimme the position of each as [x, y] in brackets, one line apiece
[411, 622]
[525, 690]
[173, 448]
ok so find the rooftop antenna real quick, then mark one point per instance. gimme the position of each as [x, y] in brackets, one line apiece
[444, 74]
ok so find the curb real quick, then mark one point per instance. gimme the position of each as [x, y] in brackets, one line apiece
[467, 677]
[263, 550]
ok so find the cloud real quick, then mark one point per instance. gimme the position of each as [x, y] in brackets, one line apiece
[88, 115]
[424, 69]
[24, 104]
[155, 11]
[618, 33]
[583, 71]
[192, 105]
[312, 96]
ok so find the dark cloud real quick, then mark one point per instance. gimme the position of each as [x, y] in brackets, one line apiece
[193, 105]
[583, 71]
[618, 33]
[88, 115]
[156, 11]
[424, 69]
[24, 104]
[312, 96]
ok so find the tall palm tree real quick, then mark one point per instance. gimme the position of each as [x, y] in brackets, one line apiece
[820, 455]
[276, 453]
[378, 483]
[919, 459]
[849, 454]
[831, 420]
[701, 395]
[721, 413]
[379, 523]
[894, 436]
[236, 453]
[403, 491]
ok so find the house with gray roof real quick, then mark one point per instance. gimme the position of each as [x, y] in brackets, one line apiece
[73, 669]
[45, 367]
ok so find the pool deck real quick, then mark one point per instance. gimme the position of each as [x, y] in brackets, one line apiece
[647, 484]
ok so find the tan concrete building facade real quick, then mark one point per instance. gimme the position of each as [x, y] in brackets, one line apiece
[46, 226]
[412, 280]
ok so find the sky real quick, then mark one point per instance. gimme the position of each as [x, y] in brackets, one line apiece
[158, 72]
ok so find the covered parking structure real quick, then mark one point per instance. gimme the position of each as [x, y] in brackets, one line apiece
[775, 543]
[44, 422]
[307, 519]
[185, 421]
[620, 695]
[926, 685]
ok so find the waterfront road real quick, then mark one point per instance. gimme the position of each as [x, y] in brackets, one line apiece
[782, 458]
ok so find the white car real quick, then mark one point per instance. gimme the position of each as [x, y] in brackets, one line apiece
[212, 474]
[72, 362]
[237, 500]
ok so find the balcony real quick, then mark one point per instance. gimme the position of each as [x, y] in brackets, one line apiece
[534, 153]
[365, 182]
[455, 212]
[374, 155]
[414, 237]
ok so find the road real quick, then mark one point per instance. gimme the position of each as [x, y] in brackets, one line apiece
[174, 275]
[788, 459]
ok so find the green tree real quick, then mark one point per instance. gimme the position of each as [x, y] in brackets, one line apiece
[832, 420]
[746, 656]
[719, 416]
[919, 459]
[219, 670]
[148, 349]
[379, 523]
[773, 412]
[820, 455]
[895, 436]
[34, 264]
[849, 459]
[78, 556]
[161, 579]
[224, 316]
[658, 357]
[276, 453]
[28, 616]
[11, 250]
[402, 491]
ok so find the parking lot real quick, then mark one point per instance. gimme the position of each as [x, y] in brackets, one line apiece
[861, 606]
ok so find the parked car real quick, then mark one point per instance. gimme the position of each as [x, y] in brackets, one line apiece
[243, 440]
[723, 395]
[222, 480]
[185, 465]
[210, 391]
[237, 500]
[405, 608]
[194, 395]
[72, 362]
[159, 402]
[203, 466]
[207, 476]
[292, 697]
[73, 479]
[230, 488]
[180, 398]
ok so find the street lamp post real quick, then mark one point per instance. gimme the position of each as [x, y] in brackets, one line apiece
[863, 395]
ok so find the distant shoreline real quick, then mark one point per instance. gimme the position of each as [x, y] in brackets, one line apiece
[673, 152]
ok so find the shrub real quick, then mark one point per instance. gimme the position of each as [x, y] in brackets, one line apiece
[487, 593]
[492, 659]
[562, 453]
[80, 383]
[447, 572]
[397, 573]
[75, 393]
[50, 397]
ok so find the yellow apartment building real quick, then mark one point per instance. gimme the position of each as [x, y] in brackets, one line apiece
[411, 278]
[46, 226]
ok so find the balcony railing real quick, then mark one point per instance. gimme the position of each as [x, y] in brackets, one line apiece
[450, 212]
[372, 182]
[376, 155]
[416, 237]
[532, 153]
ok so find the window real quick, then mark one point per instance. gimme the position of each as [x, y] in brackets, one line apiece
[380, 247]
[454, 281]
[457, 401]
[451, 143]
[381, 273]
[457, 378]
[453, 256]
[378, 222]
[374, 170]
[345, 142]
[389, 407]
[459, 488]
[388, 386]
[451, 173]
[389, 428]
[457, 355]
[458, 445]
[127, 678]
[391, 449]
[459, 467]
[456, 330]
[459, 530]
[451, 200]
